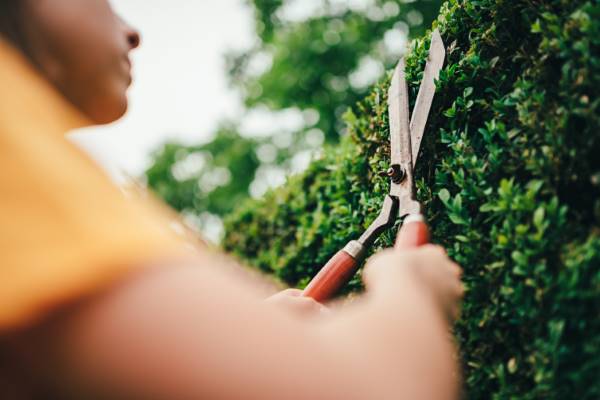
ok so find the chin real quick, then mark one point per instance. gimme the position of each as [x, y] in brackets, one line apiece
[109, 111]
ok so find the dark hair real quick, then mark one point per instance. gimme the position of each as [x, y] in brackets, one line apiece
[11, 17]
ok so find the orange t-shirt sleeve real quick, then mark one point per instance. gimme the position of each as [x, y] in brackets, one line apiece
[65, 230]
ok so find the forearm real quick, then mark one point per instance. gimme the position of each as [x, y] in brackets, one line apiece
[195, 332]
[403, 343]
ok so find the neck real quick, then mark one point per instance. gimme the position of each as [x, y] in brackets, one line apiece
[27, 98]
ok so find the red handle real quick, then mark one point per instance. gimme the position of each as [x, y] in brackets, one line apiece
[413, 233]
[342, 267]
[335, 274]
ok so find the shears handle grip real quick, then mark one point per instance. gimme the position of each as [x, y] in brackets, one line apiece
[332, 277]
[342, 266]
[413, 233]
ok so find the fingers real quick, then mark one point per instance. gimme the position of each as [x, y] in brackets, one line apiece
[376, 268]
[309, 305]
[433, 250]
[293, 301]
[428, 267]
[291, 292]
[306, 306]
[412, 234]
[454, 292]
[393, 261]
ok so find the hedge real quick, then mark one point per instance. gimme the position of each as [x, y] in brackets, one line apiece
[510, 178]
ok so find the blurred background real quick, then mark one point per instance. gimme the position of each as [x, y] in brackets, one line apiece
[231, 96]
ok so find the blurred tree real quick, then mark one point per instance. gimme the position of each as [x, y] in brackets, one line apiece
[211, 177]
[317, 57]
[324, 55]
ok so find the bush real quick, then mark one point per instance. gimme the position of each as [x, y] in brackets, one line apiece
[509, 176]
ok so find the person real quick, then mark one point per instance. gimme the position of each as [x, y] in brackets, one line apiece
[99, 298]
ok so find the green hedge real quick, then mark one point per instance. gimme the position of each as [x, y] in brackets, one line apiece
[510, 178]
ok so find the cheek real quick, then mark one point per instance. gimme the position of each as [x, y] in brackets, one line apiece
[80, 34]
[83, 53]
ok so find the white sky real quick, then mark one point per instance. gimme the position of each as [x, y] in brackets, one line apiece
[180, 89]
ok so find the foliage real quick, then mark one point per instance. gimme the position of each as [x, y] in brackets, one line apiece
[313, 59]
[312, 62]
[510, 179]
[210, 177]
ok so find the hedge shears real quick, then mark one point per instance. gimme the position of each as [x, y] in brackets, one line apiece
[401, 202]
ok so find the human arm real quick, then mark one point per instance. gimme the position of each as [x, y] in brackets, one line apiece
[200, 331]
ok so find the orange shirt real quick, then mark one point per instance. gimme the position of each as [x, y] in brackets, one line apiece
[65, 229]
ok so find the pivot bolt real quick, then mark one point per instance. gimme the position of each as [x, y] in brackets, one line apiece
[397, 173]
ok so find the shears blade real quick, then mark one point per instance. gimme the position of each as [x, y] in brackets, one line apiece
[406, 134]
[402, 165]
[399, 117]
[435, 63]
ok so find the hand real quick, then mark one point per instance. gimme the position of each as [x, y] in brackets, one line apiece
[428, 267]
[292, 300]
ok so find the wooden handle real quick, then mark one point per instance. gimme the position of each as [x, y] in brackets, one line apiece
[413, 233]
[335, 274]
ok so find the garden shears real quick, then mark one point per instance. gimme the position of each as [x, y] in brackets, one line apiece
[401, 202]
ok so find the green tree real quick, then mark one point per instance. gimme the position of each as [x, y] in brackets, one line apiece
[319, 64]
[326, 61]
[510, 179]
[211, 177]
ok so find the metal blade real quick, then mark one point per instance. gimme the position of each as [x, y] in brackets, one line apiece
[403, 188]
[399, 117]
[435, 63]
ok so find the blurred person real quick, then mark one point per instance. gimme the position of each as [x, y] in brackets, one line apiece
[99, 298]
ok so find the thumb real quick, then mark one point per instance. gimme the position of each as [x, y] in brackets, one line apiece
[413, 233]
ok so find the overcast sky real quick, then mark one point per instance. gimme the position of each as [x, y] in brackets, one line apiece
[180, 89]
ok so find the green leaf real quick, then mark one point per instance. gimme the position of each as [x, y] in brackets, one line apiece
[538, 217]
[511, 365]
[444, 195]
